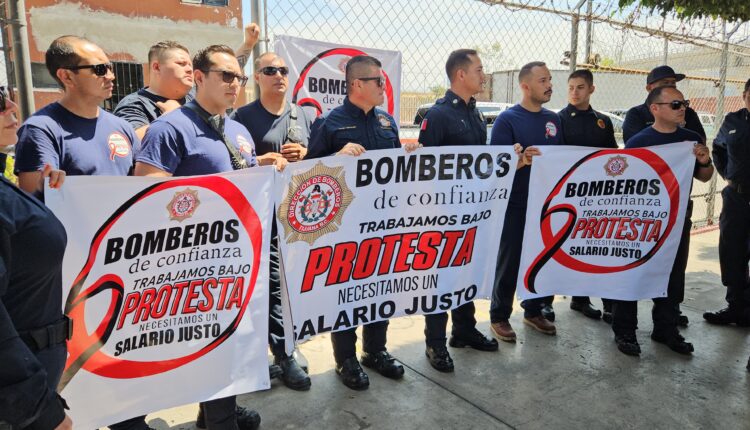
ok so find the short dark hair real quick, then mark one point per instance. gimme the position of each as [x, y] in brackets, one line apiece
[61, 54]
[747, 85]
[355, 64]
[526, 69]
[584, 74]
[458, 59]
[655, 95]
[202, 59]
[158, 51]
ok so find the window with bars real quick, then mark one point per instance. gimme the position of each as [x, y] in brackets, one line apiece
[128, 79]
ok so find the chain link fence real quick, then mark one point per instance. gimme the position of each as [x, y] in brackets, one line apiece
[620, 46]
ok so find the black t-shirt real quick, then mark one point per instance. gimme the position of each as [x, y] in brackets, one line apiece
[270, 131]
[140, 109]
[650, 137]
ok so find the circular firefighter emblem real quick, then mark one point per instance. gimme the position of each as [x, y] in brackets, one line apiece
[616, 166]
[245, 146]
[183, 204]
[600, 123]
[315, 203]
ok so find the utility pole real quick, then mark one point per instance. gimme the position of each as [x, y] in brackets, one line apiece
[21, 62]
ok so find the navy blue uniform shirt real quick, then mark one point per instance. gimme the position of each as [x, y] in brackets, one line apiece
[270, 131]
[587, 128]
[518, 125]
[731, 150]
[650, 137]
[32, 244]
[140, 109]
[640, 117]
[79, 146]
[348, 123]
[183, 144]
[451, 121]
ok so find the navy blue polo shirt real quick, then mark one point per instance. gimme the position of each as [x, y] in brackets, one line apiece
[451, 121]
[79, 146]
[140, 109]
[348, 123]
[518, 125]
[640, 117]
[587, 128]
[183, 144]
[270, 131]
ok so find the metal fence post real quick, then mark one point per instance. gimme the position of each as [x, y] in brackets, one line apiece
[21, 63]
[255, 11]
[589, 31]
[718, 119]
[574, 36]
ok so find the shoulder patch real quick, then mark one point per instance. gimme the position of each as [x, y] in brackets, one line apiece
[119, 145]
[423, 126]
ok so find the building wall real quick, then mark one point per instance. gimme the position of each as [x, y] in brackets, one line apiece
[126, 29]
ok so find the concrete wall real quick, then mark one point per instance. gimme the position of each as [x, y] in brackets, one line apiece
[125, 29]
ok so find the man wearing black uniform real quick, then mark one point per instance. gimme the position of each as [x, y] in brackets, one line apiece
[668, 106]
[640, 117]
[279, 129]
[732, 158]
[351, 129]
[583, 126]
[455, 120]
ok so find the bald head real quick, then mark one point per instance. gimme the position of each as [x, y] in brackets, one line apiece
[65, 51]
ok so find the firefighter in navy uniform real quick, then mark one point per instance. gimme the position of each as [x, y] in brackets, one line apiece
[455, 120]
[351, 129]
[732, 158]
[583, 126]
[640, 117]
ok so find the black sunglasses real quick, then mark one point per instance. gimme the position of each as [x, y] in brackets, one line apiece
[229, 77]
[99, 69]
[379, 80]
[3, 97]
[271, 70]
[676, 104]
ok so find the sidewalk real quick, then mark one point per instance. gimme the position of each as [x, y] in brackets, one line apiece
[577, 379]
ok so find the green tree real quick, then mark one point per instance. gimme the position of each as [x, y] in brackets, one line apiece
[730, 10]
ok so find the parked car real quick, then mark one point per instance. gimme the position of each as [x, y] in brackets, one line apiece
[490, 110]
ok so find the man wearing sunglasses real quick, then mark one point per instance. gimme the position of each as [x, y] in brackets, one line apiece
[732, 155]
[351, 129]
[198, 139]
[279, 130]
[668, 107]
[74, 134]
[455, 120]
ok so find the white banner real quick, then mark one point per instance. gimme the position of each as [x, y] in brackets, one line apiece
[389, 234]
[167, 289]
[604, 223]
[316, 73]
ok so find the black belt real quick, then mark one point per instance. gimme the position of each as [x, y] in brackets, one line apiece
[740, 188]
[51, 335]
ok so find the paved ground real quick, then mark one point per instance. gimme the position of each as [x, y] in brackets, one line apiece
[575, 380]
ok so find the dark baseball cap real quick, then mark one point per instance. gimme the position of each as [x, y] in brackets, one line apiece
[663, 72]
